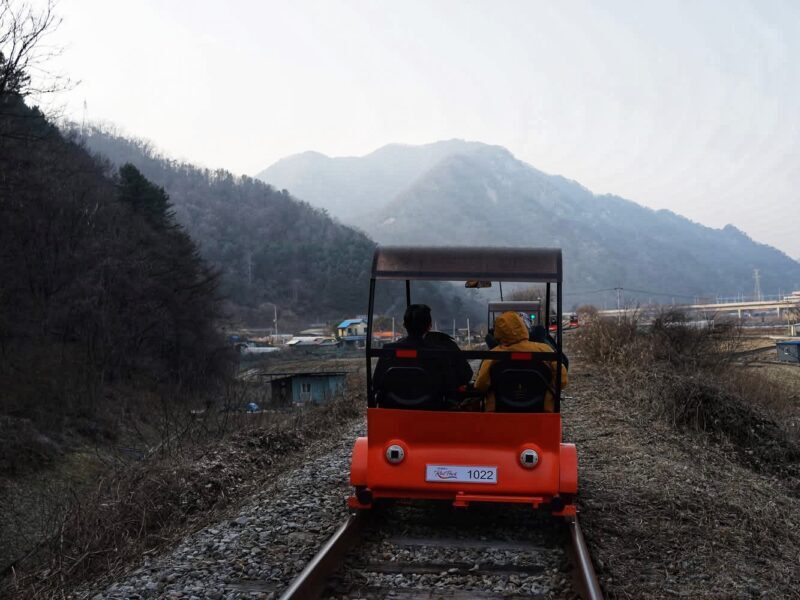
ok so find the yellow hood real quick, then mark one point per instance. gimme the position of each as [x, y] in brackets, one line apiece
[509, 328]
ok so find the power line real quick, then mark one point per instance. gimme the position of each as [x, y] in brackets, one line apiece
[614, 289]
[670, 294]
[589, 292]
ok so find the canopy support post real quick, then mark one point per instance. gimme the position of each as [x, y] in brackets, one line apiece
[547, 307]
[557, 406]
[370, 310]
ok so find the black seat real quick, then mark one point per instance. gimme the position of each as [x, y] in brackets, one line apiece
[520, 386]
[411, 384]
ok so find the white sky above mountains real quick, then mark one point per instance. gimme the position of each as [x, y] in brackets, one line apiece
[692, 106]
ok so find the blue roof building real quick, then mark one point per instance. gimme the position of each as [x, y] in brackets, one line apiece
[353, 332]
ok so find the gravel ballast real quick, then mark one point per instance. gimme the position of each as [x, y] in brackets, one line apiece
[485, 551]
[257, 551]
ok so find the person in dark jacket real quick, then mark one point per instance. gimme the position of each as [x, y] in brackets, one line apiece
[453, 372]
[458, 368]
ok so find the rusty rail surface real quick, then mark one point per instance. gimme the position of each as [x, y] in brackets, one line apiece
[585, 577]
[311, 581]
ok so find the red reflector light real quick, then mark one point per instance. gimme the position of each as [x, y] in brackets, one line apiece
[521, 356]
[406, 354]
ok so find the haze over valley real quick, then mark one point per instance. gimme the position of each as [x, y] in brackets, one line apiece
[458, 192]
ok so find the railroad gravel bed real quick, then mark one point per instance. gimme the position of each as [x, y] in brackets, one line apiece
[443, 552]
[257, 552]
[412, 549]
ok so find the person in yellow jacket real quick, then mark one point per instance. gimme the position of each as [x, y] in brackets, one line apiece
[512, 336]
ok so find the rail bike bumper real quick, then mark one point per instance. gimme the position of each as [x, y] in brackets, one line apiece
[465, 457]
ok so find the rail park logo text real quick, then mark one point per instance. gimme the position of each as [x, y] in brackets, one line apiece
[445, 474]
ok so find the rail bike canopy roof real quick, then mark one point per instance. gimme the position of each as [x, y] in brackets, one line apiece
[454, 263]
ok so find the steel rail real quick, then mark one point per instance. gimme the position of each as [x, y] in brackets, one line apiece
[586, 579]
[310, 583]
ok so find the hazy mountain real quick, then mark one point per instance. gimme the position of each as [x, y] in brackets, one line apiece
[472, 193]
[346, 186]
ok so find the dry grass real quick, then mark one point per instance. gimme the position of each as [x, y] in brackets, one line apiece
[148, 505]
[774, 389]
[688, 377]
[689, 484]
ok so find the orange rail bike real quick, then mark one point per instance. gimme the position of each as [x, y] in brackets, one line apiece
[416, 449]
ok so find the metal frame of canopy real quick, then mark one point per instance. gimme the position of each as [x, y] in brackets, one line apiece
[454, 263]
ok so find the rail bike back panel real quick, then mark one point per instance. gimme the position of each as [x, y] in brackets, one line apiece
[465, 457]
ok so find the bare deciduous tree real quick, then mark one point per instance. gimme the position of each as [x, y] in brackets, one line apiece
[23, 55]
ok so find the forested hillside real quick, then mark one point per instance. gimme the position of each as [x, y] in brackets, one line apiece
[480, 194]
[101, 291]
[268, 247]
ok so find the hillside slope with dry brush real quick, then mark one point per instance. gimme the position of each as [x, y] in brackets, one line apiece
[143, 508]
[689, 463]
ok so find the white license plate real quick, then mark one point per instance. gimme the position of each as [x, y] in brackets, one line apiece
[460, 474]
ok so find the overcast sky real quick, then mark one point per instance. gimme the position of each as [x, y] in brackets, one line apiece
[692, 106]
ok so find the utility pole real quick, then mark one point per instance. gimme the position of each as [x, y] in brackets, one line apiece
[757, 277]
[274, 318]
[619, 304]
[469, 335]
[392, 328]
[454, 329]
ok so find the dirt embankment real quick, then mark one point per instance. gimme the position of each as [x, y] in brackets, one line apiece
[145, 507]
[690, 478]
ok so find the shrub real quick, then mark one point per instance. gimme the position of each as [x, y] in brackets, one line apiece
[686, 375]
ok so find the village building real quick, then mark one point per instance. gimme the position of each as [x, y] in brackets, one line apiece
[306, 388]
[788, 351]
[353, 332]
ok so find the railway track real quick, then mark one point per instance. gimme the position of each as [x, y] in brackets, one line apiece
[433, 551]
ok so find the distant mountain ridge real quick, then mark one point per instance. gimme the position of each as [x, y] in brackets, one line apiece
[458, 192]
[345, 186]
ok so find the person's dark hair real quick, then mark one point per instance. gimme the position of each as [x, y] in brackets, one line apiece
[417, 319]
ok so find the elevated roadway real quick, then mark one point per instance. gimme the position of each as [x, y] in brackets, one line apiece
[780, 307]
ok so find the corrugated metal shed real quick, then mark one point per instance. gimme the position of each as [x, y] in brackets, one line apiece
[306, 388]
